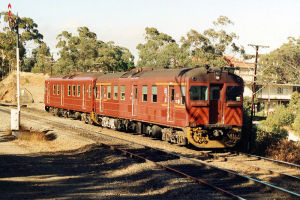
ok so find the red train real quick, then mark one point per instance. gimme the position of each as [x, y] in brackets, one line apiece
[199, 106]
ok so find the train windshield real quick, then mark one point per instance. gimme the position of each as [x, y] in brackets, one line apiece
[198, 93]
[234, 93]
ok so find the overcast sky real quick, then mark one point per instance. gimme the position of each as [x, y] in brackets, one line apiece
[265, 22]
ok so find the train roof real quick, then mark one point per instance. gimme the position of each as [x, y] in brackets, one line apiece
[77, 76]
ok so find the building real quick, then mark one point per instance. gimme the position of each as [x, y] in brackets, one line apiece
[269, 95]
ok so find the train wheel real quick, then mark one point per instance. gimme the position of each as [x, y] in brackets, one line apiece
[156, 131]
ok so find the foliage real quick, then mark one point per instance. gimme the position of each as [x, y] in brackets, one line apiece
[284, 150]
[85, 53]
[196, 49]
[296, 124]
[43, 59]
[27, 31]
[283, 64]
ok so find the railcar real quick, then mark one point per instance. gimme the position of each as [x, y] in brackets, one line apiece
[200, 106]
[71, 95]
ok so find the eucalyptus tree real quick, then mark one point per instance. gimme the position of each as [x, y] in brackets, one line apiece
[28, 32]
[282, 65]
[83, 52]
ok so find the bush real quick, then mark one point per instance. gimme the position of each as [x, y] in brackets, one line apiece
[287, 151]
[296, 124]
[281, 117]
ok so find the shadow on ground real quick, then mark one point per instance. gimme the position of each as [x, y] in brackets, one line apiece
[87, 174]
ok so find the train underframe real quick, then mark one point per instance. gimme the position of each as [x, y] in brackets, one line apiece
[207, 136]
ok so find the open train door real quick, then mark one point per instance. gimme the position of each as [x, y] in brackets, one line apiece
[171, 103]
[216, 104]
[134, 100]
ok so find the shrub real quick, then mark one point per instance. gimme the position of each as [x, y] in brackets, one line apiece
[281, 117]
[288, 151]
[296, 124]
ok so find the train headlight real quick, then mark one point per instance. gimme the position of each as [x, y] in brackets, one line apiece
[218, 75]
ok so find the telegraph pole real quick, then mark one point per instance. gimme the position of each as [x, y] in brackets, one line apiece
[251, 142]
[15, 114]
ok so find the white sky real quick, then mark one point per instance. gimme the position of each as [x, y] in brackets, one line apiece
[265, 22]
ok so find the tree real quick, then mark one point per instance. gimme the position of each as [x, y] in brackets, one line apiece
[85, 53]
[28, 31]
[43, 59]
[283, 64]
[158, 50]
[209, 47]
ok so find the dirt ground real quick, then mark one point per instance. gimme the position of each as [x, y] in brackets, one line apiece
[69, 166]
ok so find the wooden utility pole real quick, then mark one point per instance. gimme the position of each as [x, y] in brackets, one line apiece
[251, 139]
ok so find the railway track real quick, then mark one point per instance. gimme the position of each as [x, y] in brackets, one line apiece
[232, 184]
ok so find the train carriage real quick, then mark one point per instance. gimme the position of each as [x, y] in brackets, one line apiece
[71, 95]
[200, 106]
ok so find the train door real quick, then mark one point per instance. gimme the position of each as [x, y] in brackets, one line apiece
[101, 97]
[215, 104]
[134, 100]
[83, 96]
[62, 94]
[171, 103]
[48, 92]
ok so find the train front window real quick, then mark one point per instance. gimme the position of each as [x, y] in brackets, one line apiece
[233, 93]
[198, 93]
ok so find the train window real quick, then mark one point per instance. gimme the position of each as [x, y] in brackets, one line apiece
[122, 92]
[73, 92]
[57, 89]
[78, 90]
[145, 92]
[108, 92]
[69, 90]
[198, 93]
[90, 91]
[54, 89]
[182, 95]
[115, 92]
[233, 93]
[173, 94]
[96, 92]
[215, 91]
[154, 93]
[135, 92]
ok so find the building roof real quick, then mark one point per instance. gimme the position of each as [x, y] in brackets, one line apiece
[234, 62]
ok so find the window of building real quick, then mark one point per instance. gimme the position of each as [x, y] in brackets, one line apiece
[122, 92]
[69, 90]
[145, 92]
[108, 92]
[115, 92]
[78, 90]
[57, 89]
[54, 89]
[154, 93]
[285, 91]
[279, 90]
[198, 93]
[73, 91]
[182, 95]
